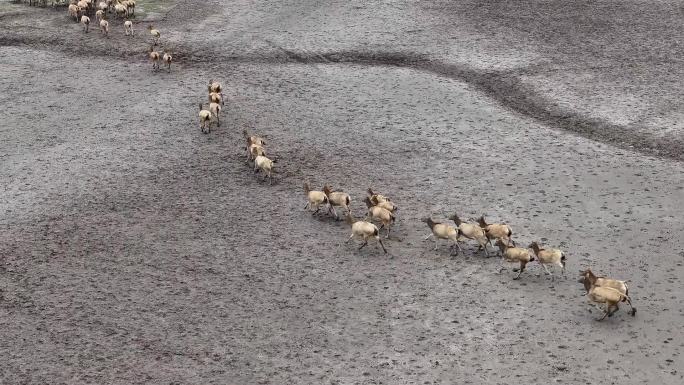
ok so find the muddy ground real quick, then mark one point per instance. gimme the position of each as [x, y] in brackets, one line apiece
[135, 249]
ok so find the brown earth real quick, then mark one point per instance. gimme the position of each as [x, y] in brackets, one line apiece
[135, 249]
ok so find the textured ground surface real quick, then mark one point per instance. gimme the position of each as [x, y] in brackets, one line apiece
[134, 249]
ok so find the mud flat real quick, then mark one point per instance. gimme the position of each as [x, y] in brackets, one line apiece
[136, 250]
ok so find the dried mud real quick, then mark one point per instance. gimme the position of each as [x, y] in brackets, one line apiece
[135, 249]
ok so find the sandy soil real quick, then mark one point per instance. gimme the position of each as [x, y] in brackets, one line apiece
[134, 249]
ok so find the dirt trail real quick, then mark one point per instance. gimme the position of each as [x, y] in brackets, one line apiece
[137, 250]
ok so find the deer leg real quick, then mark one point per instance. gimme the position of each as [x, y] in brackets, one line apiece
[633, 311]
[457, 246]
[382, 245]
[605, 313]
[616, 308]
[522, 268]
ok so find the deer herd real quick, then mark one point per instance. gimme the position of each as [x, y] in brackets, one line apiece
[381, 210]
[82, 11]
